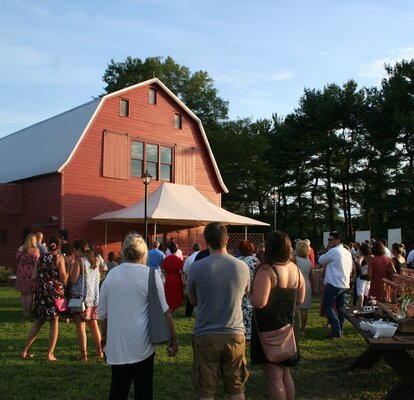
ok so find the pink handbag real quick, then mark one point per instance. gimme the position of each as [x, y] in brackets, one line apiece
[61, 305]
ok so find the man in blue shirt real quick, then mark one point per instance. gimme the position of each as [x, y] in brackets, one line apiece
[155, 256]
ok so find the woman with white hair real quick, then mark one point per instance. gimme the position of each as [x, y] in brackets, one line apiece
[123, 311]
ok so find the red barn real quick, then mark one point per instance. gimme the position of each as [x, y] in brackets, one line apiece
[55, 176]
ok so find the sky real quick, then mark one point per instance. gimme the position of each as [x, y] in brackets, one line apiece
[261, 54]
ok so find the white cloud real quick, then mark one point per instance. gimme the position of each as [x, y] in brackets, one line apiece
[375, 70]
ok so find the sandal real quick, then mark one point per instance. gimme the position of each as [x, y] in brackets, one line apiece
[27, 356]
[81, 358]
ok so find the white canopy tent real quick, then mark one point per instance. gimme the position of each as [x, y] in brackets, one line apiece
[173, 204]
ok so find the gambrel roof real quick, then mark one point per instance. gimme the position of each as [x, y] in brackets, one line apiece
[43, 147]
[48, 146]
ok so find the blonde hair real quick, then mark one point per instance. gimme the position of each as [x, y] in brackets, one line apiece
[134, 248]
[30, 242]
[302, 249]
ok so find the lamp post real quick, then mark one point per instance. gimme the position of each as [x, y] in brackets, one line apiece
[146, 180]
[275, 197]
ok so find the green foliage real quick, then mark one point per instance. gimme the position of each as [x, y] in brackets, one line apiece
[196, 89]
[320, 375]
[343, 160]
[5, 274]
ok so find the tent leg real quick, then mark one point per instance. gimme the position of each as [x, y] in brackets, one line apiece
[245, 232]
[155, 230]
[106, 238]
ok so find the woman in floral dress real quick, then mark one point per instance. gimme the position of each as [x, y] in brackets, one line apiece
[247, 249]
[85, 278]
[51, 275]
[27, 257]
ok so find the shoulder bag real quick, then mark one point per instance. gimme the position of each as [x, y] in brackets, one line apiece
[279, 344]
[159, 331]
[78, 305]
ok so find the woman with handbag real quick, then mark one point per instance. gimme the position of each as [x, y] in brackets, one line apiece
[49, 296]
[278, 286]
[127, 297]
[85, 278]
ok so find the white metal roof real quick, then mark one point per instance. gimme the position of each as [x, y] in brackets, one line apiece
[48, 146]
[44, 147]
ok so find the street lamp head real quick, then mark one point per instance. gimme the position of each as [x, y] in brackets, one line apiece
[275, 196]
[146, 178]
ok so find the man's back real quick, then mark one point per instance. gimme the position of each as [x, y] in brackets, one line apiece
[339, 268]
[155, 257]
[219, 283]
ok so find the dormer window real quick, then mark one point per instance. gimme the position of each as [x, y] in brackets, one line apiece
[152, 96]
[124, 108]
[178, 121]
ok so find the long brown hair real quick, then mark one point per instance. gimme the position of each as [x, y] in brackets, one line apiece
[83, 246]
[278, 248]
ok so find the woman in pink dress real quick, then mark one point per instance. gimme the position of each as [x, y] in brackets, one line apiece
[27, 257]
[379, 267]
[174, 289]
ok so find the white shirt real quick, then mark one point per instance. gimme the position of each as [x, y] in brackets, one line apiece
[187, 263]
[178, 253]
[410, 257]
[124, 304]
[339, 266]
[387, 252]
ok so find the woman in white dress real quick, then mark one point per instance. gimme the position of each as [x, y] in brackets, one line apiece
[304, 263]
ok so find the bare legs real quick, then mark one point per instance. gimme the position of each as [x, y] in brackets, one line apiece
[81, 331]
[53, 335]
[96, 336]
[27, 300]
[279, 381]
[82, 340]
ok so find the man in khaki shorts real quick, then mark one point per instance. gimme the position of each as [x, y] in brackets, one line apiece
[216, 285]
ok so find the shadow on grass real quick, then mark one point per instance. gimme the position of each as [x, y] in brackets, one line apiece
[320, 375]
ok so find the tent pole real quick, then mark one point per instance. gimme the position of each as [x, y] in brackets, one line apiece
[155, 231]
[245, 232]
[106, 236]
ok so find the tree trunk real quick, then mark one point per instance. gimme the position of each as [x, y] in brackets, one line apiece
[330, 195]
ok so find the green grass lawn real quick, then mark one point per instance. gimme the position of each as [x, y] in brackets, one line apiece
[320, 375]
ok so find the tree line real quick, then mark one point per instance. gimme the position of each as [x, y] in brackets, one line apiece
[342, 160]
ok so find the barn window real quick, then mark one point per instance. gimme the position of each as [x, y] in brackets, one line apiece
[124, 108]
[152, 160]
[166, 164]
[3, 236]
[157, 160]
[137, 158]
[178, 121]
[152, 96]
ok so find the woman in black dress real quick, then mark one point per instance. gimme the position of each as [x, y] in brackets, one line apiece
[277, 288]
[52, 276]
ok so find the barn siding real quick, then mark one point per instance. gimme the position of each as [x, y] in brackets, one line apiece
[40, 201]
[81, 192]
[86, 193]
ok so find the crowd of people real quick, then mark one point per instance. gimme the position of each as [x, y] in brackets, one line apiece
[237, 298]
